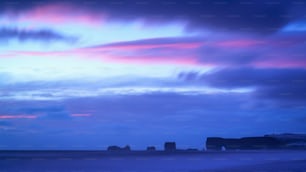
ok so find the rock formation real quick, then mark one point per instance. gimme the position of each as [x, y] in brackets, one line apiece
[117, 148]
[170, 146]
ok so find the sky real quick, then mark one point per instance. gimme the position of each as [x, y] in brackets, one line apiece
[89, 74]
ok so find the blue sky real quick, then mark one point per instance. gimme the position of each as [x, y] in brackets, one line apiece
[80, 75]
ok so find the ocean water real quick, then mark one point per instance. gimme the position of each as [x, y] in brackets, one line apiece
[99, 161]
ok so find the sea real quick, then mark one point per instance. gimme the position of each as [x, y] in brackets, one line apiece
[154, 161]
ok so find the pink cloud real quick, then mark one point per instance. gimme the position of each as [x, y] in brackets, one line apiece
[170, 52]
[239, 43]
[81, 115]
[152, 60]
[60, 14]
[181, 51]
[147, 51]
[149, 46]
[18, 116]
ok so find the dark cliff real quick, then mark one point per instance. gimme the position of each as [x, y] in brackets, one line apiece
[282, 141]
[246, 143]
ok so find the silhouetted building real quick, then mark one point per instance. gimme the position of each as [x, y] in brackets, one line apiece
[170, 146]
[117, 148]
[151, 148]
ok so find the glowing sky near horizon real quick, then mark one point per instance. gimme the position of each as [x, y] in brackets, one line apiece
[116, 72]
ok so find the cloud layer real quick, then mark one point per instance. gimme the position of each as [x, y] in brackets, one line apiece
[97, 73]
[284, 85]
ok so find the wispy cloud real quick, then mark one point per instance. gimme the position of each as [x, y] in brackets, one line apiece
[285, 86]
[80, 115]
[18, 116]
[7, 34]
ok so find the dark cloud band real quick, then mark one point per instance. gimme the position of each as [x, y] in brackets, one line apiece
[36, 35]
[247, 16]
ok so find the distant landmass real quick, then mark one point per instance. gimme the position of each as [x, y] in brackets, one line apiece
[273, 141]
[266, 142]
